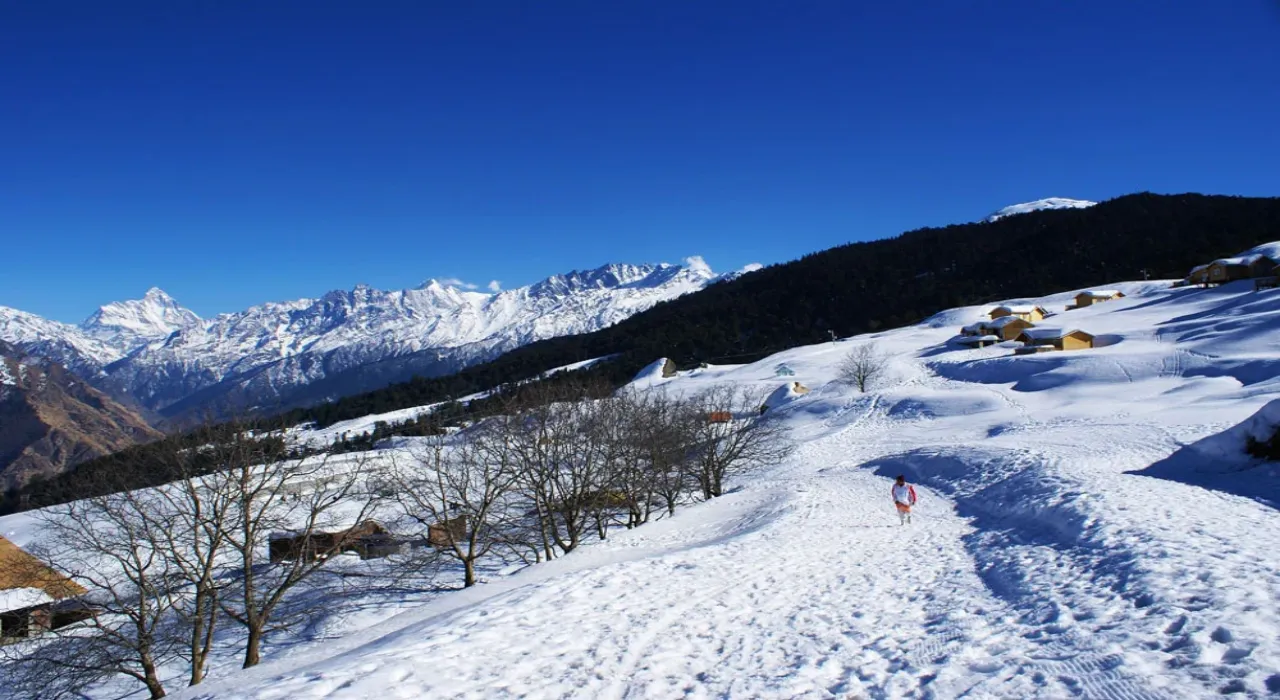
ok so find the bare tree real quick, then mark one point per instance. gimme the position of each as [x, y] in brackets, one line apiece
[559, 473]
[659, 437]
[194, 541]
[563, 457]
[196, 538]
[314, 501]
[108, 545]
[863, 366]
[630, 484]
[465, 491]
[732, 437]
[153, 559]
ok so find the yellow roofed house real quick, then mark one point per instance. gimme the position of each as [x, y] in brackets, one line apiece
[1007, 327]
[1026, 312]
[1244, 267]
[1095, 296]
[1042, 339]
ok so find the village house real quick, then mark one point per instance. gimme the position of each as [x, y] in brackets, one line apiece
[1046, 339]
[445, 533]
[33, 597]
[369, 539]
[1240, 268]
[1095, 296]
[978, 341]
[1007, 327]
[998, 330]
[1026, 312]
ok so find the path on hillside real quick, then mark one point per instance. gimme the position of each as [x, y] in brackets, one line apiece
[800, 585]
[1037, 568]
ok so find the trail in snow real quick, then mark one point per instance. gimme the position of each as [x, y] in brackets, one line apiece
[1040, 565]
[762, 603]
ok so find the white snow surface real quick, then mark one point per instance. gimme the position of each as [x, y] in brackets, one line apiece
[1039, 204]
[1088, 526]
[19, 598]
[1267, 250]
[1073, 539]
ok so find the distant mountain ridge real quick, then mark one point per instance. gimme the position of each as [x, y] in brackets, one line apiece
[53, 420]
[279, 354]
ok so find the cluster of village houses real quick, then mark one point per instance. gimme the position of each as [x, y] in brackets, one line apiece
[1018, 323]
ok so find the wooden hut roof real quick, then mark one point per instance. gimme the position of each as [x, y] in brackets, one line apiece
[1005, 321]
[24, 578]
[1051, 333]
[1021, 308]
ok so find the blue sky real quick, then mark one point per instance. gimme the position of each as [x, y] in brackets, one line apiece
[238, 152]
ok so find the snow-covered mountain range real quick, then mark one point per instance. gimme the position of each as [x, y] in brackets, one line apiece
[1039, 204]
[171, 361]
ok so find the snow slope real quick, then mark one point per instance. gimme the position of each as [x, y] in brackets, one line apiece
[1047, 559]
[1039, 204]
[308, 350]
[1043, 562]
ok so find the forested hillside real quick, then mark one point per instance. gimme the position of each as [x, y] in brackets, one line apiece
[881, 284]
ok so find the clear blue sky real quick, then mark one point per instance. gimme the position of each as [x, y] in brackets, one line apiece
[238, 152]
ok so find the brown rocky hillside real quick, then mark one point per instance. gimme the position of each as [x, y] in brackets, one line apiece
[51, 420]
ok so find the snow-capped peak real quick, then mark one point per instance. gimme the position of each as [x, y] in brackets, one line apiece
[606, 277]
[698, 266]
[1039, 204]
[160, 353]
[136, 322]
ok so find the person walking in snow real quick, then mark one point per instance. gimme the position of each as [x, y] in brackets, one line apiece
[904, 496]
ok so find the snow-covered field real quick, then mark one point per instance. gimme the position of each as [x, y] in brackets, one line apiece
[1081, 533]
